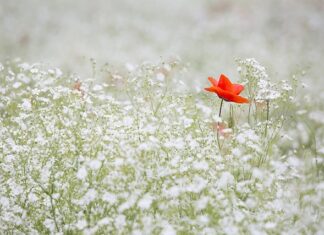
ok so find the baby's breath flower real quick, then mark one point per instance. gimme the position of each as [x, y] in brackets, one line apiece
[138, 156]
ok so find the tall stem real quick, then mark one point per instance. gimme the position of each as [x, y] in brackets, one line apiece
[316, 161]
[219, 115]
[249, 120]
[220, 108]
[268, 110]
[231, 122]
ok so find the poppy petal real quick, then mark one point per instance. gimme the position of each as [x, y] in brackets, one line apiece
[225, 84]
[228, 96]
[211, 89]
[240, 99]
[213, 81]
[237, 89]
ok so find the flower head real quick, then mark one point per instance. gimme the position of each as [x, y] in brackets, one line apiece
[227, 90]
[222, 129]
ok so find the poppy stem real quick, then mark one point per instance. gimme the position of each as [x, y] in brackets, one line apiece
[218, 129]
[220, 108]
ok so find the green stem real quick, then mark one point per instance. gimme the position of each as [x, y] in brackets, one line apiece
[249, 120]
[219, 115]
[315, 153]
[268, 110]
[220, 109]
[231, 118]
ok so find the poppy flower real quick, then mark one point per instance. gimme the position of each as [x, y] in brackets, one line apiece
[227, 90]
[222, 129]
[77, 87]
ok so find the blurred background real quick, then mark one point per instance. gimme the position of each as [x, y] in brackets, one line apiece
[286, 36]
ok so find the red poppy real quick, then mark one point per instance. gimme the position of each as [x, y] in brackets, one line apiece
[227, 90]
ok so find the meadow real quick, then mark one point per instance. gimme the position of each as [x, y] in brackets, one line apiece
[140, 155]
[114, 119]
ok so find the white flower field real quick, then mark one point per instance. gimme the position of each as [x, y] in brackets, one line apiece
[106, 126]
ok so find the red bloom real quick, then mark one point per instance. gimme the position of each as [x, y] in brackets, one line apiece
[226, 90]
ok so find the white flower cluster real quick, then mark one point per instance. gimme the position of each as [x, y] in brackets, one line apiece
[266, 91]
[75, 159]
[255, 75]
[252, 69]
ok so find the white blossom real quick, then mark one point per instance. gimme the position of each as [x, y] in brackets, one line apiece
[145, 202]
[82, 173]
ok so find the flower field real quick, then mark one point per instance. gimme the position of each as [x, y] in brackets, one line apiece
[137, 155]
[204, 144]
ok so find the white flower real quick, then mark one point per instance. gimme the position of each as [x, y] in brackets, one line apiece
[201, 203]
[48, 223]
[32, 197]
[204, 219]
[168, 230]
[197, 185]
[266, 91]
[104, 221]
[128, 121]
[4, 202]
[22, 77]
[109, 197]
[94, 164]
[160, 77]
[81, 224]
[217, 118]
[251, 203]
[120, 221]
[205, 110]
[82, 173]
[97, 87]
[130, 67]
[26, 105]
[16, 85]
[201, 165]
[89, 196]
[226, 179]
[258, 174]
[58, 72]
[187, 122]
[145, 202]
[238, 216]
[177, 143]
[317, 116]
[174, 191]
